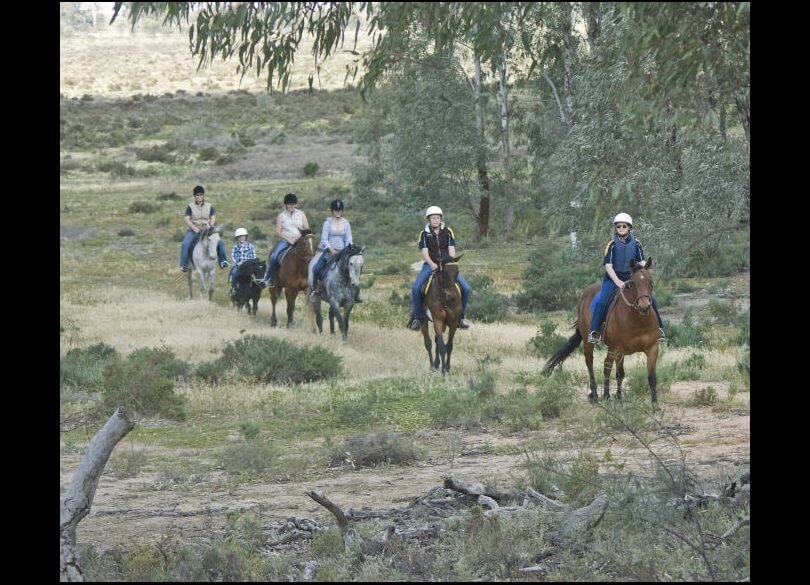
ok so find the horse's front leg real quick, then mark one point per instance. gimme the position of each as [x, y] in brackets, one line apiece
[273, 299]
[652, 359]
[332, 315]
[450, 335]
[609, 358]
[593, 396]
[201, 279]
[211, 286]
[619, 375]
[291, 293]
[349, 306]
[429, 346]
[318, 315]
[441, 348]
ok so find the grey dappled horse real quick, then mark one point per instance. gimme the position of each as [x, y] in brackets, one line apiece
[203, 260]
[340, 282]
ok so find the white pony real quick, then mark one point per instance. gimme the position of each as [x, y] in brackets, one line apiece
[204, 260]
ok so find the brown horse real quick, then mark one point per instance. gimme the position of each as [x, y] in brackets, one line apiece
[292, 274]
[443, 300]
[630, 327]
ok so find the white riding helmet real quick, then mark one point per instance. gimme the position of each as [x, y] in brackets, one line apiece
[240, 232]
[623, 218]
[433, 210]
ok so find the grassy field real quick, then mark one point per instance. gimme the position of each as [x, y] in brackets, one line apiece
[247, 449]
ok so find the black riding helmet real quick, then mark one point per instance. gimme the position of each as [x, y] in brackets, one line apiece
[336, 205]
[290, 198]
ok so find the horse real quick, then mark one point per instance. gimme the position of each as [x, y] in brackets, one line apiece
[630, 327]
[443, 302]
[245, 286]
[292, 274]
[341, 278]
[203, 260]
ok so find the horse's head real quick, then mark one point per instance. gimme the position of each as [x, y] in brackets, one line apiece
[306, 245]
[640, 286]
[447, 274]
[209, 238]
[355, 267]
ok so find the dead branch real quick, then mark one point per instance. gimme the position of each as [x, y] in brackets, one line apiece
[472, 489]
[75, 504]
[346, 532]
[735, 527]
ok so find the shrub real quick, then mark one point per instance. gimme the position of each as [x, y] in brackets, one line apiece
[721, 311]
[125, 233]
[271, 360]
[143, 383]
[373, 449]
[84, 368]
[142, 207]
[311, 169]
[208, 153]
[485, 304]
[160, 153]
[554, 279]
[547, 341]
[687, 334]
[211, 371]
[168, 197]
[250, 459]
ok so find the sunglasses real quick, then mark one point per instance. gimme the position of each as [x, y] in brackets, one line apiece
[622, 226]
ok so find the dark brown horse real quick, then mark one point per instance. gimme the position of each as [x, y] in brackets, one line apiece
[443, 300]
[630, 327]
[292, 274]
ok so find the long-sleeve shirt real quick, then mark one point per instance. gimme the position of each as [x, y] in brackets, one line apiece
[242, 252]
[337, 236]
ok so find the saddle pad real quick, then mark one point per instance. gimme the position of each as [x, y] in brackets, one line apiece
[426, 288]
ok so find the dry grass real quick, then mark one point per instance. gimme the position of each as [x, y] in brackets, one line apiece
[160, 62]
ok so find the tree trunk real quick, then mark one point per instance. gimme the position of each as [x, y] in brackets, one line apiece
[482, 229]
[509, 210]
[78, 498]
[744, 108]
[568, 58]
[593, 21]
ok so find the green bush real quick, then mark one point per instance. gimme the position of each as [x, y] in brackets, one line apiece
[721, 311]
[250, 458]
[212, 371]
[687, 334]
[271, 360]
[143, 383]
[208, 153]
[485, 304]
[547, 341]
[84, 368]
[311, 169]
[554, 280]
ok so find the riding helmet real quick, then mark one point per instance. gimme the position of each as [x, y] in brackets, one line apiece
[433, 210]
[240, 232]
[290, 198]
[623, 218]
[336, 205]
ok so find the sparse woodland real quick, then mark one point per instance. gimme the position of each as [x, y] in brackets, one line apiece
[247, 452]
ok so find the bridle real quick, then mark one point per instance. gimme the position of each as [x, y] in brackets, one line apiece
[634, 304]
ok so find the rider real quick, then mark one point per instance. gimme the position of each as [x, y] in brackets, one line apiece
[335, 235]
[197, 214]
[619, 251]
[242, 251]
[435, 241]
[289, 224]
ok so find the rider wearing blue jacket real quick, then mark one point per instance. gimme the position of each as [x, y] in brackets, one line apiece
[619, 251]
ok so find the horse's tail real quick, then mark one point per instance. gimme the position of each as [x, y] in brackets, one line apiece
[566, 350]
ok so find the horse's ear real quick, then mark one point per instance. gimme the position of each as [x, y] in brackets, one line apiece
[649, 263]
[362, 249]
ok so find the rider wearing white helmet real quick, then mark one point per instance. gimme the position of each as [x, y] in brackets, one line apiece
[435, 241]
[242, 250]
[620, 250]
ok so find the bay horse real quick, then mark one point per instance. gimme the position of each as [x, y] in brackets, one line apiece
[292, 274]
[203, 260]
[630, 327]
[341, 279]
[443, 300]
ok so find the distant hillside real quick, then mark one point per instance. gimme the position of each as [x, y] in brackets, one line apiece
[112, 61]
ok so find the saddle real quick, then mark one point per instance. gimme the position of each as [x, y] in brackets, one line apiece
[429, 281]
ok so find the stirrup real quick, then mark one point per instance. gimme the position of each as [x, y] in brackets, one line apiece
[593, 337]
[415, 324]
[661, 335]
[463, 324]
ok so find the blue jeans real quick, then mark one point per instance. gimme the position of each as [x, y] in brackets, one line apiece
[416, 295]
[280, 247]
[188, 239]
[318, 268]
[608, 286]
